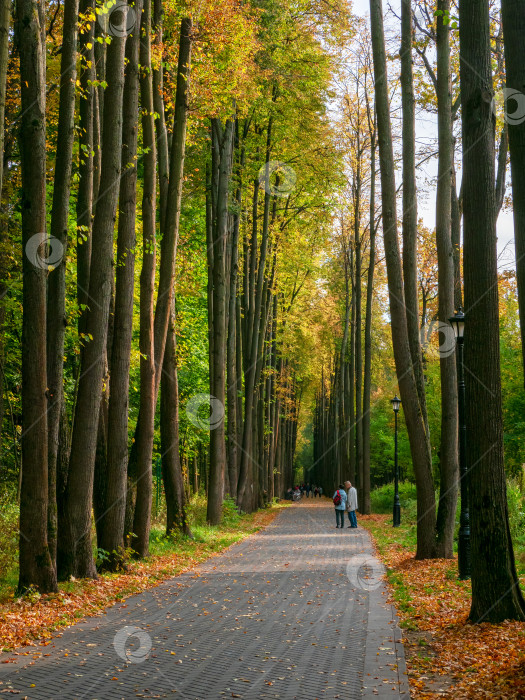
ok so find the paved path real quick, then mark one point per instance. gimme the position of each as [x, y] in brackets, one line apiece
[297, 611]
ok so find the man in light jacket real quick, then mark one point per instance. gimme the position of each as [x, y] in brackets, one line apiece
[351, 504]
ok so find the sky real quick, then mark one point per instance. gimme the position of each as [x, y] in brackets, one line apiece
[426, 204]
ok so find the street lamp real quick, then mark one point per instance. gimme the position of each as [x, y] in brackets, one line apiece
[458, 324]
[396, 403]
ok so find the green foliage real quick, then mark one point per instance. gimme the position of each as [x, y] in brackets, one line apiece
[516, 501]
[382, 499]
[9, 512]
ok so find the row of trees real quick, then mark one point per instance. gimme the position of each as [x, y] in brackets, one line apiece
[427, 283]
[202, 126]
[496, 593]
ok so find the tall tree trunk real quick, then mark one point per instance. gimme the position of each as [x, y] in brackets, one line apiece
[145, 436]
[117, 444]
[85, 165]
[36, 565]
[169, 430]
[410, 209]
[367, 379]
[169, 227]
[496, 594]
[56, 290]
[75, 553]
[513, 18]
[160, 122]
[358, 323]
[253, 330]
[170, 235]
[223, 139]
[449, 468]
[418, 436]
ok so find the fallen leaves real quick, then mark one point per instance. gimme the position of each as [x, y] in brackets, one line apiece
[25, 622]
[447, 657]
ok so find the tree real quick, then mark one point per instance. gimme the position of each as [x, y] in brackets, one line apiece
[513, 18]
[496, 595]
[75, 554]
[117, 439]
[36, 566]
[222, 149]
[449, 468]
[407, 383]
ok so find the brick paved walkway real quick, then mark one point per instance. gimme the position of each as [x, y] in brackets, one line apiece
[297, 611]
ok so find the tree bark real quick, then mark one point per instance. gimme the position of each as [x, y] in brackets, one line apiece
[418, 436]
[513, 18]
[170, 236]
[496, 594]
[117, 444]
[169, 430]
[75, 554]
[145, 436]
[86, 147]
[410, 209]
[367, 379]
[449, 467]
[36, 565]
[223, 139]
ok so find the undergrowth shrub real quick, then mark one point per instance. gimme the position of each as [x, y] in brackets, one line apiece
[9, 512]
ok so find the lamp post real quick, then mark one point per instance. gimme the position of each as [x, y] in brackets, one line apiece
[458, 324]
[396, 403]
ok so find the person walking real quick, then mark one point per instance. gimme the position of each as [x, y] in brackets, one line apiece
[351, 504]
[339, 500]
[320, 491]
[308, 489]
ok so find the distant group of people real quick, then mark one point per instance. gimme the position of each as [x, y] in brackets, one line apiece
[294, 493]
[345, 500]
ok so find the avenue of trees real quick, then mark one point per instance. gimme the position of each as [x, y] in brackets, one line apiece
[212, 260]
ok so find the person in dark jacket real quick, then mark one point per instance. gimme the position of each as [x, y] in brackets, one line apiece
[340, 499]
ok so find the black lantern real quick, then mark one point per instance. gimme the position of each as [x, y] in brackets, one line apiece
[396, 404]
[458, 324]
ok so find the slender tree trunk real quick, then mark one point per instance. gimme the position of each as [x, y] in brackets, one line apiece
[170, 235]
[367, 379]
[85, 164]
[160, 122]
[224, 144]
[513, 17]
[145, 436]
[252, 342]
[456, 234]
[75, 553]
[358, 323]
[169, 429]
[449, 468]
[410, 208]
[56, 291]
[117, 444]
[418, 436]
[496, 594]
[36, 565]
[169, 227]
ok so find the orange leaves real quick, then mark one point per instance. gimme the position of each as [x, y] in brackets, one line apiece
[24, 622]
[446, 655]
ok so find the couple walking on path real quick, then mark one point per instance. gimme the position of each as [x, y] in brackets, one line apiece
[345, 501]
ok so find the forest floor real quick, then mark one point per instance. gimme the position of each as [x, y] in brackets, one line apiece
[446, 655]
[34, 618]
